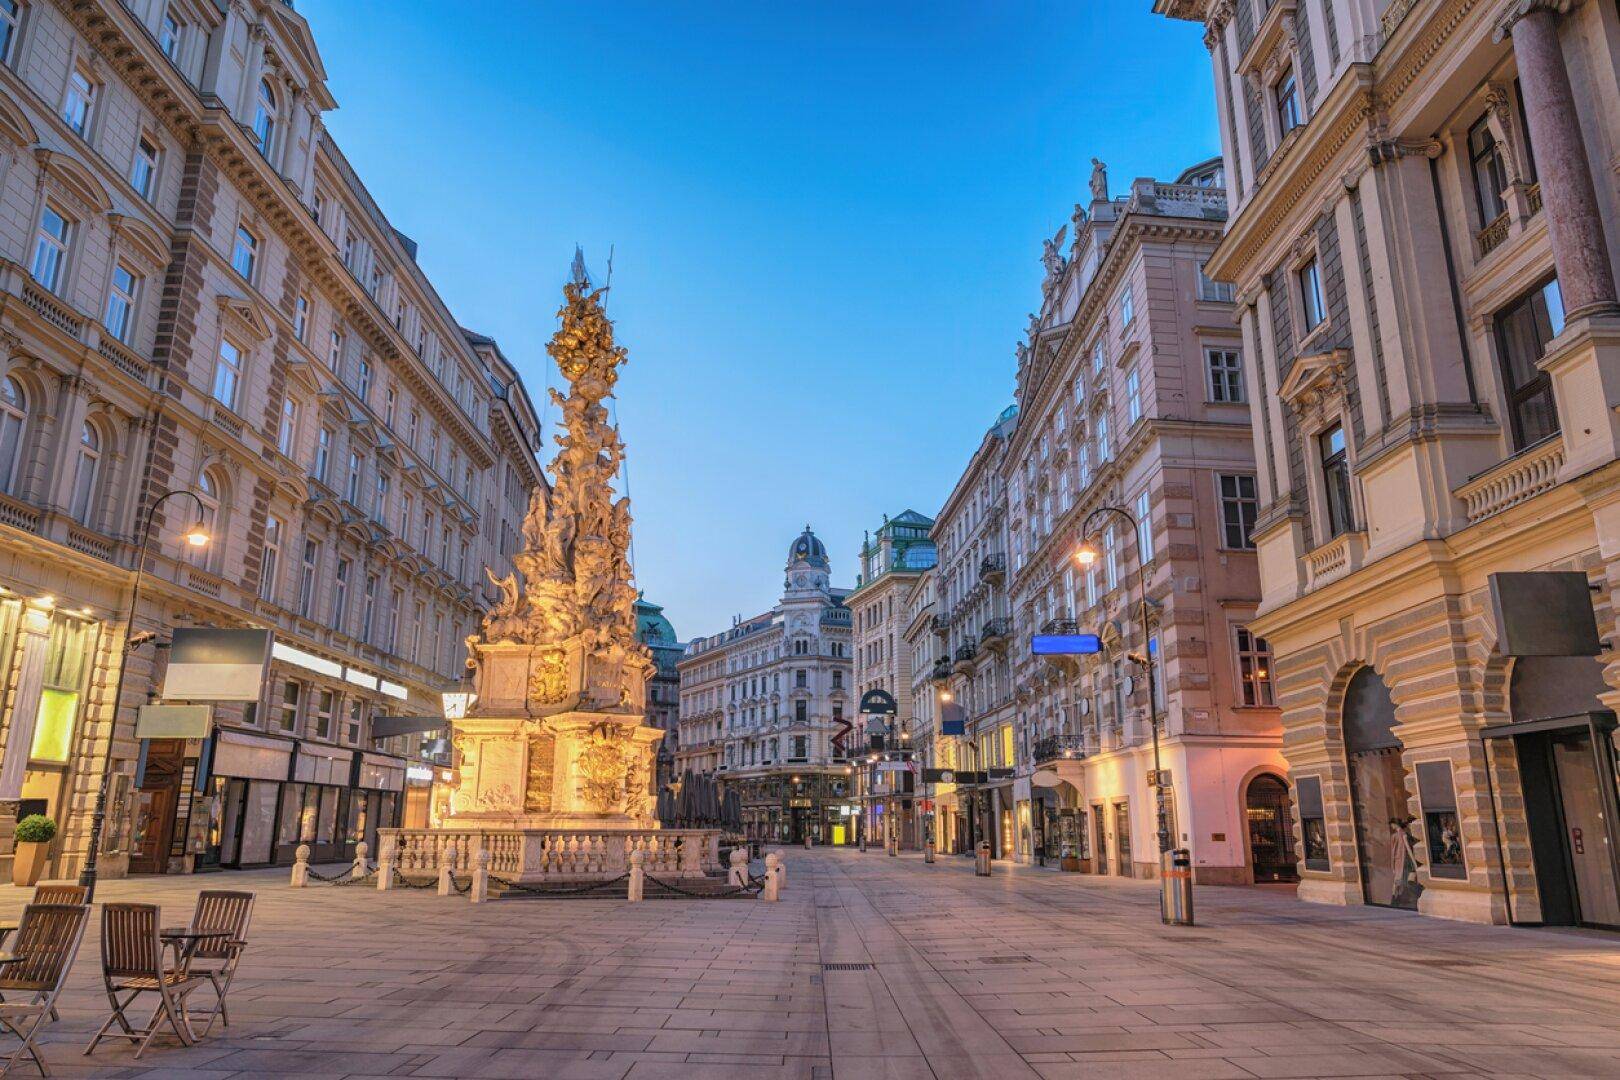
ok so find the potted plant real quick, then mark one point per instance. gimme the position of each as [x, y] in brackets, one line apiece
[1069, 861]
[34, 835]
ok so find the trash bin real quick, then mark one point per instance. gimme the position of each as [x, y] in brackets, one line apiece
[981, 859]
[928, 852]
[1175, 898]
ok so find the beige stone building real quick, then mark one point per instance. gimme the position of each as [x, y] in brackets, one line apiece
[198, 294]
[1423, 243]
[762, 703]
[891, 563]
[1131, 397]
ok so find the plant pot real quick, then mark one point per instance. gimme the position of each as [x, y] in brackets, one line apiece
[1070, 864]
[28, 863]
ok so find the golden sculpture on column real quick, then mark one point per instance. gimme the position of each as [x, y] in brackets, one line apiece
[555, 739]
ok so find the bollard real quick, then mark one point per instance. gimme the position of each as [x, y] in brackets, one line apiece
[981, 859]
[447, 865]
[300, 873]
[928, 852]
[360, 867]
[638, 876]
[773, 866]
[738, 877]
[385, 865]
[480, 884]
[807, 841]
[1175, 887]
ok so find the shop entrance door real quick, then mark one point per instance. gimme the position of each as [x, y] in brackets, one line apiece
[1100, 856]
[1271, 831]
[1386, 847]
[155, 804]
[1569, 801]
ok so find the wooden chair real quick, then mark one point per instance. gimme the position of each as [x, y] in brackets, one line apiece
[216, 958]
[47, 941]
[60, 894]
[132, 964]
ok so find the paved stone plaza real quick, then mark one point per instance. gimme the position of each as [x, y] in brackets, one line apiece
[1028, 973]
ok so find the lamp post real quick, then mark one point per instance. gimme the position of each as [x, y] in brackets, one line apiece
[196, 536]
[1085, 556]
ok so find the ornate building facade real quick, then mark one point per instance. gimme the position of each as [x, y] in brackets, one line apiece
[972, 627]
[1424, 238]
[891, 563]
[198, 294]
[663, 707]
[762, 702]
[1131, 397]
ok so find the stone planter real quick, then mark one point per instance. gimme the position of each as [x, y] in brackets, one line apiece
[28, 863]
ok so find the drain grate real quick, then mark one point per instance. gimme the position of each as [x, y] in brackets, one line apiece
[846, 967]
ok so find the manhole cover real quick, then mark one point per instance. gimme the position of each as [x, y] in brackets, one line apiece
[846, 967]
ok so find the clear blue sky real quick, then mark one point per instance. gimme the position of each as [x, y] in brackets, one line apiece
[827, 220]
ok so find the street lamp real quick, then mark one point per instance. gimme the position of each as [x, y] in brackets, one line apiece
[1086, 555]
[196, 536]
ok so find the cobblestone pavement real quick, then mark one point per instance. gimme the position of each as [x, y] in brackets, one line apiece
[1027, 973]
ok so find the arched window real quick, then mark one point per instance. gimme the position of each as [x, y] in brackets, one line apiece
[210, 492]
[13, 424]
[264, 118]
[86, 476]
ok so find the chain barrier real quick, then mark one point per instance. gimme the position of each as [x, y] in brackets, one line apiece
[347, 877]
[458, 887]
[558, 890]
[399, 876]
[749, 889]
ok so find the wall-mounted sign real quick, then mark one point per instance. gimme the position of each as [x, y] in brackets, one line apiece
[1065, 644]
[217, 665]
[173, 721]
[952, 776]
[1544, 613]
[952, 719]
[878, 703]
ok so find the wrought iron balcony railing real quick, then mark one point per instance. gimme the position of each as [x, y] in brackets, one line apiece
[1059, 748]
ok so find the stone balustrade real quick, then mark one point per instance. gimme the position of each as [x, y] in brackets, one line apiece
[1522, 476]
[531, 856]
[1335, 559]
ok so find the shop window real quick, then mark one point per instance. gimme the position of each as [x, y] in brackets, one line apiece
[67, 659]
[1312, 822]
[1442, 830]
[1523, 330]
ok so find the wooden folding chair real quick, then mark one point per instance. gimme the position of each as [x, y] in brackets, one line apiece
[60, 894]
[216, 958]
[47, 941]
[132, 964]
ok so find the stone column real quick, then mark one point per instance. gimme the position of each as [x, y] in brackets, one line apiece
[1574, 225]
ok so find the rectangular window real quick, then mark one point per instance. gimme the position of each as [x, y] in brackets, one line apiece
[119, 318]
[301, 319]
[1097, 357]
[227, 373]
[1110, 558]
[246, 253]
[1310, 295]
[321, 725]
[1104, 451]
[368, 610]
[269, 561]
[356, 468]
[379, 501]
[1523, 330]
[334, 351]
[340, 597]
[396, 607]
[1489, 170]
[50, 248]
[1336, 479]
[354, 719]
[1144, 525]
[390, 400]
[801, 713]
[287, 436]
[323, 455]
[78, 105]
[1211, 290]
[10, 16]
[1225, 375]
[362, 379]
[143, 170]
[287, 712]
[1133, 396]
[1286, 92]
[1312, 822]
[1254, 668]
[306, 578]
[169, 36]
[1240, 505]
[1127, 308]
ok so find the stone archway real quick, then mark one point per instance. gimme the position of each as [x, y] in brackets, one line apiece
[1386, 843]
[1268, 831]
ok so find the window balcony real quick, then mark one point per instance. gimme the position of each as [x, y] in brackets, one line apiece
[993, 567]
[1520, 478]
[995, 634]
[1060, 626]
[940, 623]
[966, 654]
[1339, 557]
[942, 670]
[1058, 748]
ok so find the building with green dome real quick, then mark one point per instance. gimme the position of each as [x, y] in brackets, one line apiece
[664, 688]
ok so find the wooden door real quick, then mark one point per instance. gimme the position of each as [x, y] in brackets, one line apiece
[155, 803]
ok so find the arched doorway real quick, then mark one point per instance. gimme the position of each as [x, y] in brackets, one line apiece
[1385, 842]
[1268, 809]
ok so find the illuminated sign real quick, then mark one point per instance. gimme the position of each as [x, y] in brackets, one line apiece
[1065, 644]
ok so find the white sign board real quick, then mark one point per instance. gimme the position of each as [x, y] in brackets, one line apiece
[173, 721]
[216, 665]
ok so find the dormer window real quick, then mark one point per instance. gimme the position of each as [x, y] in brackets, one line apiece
[264, 118]
[1286, 95]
